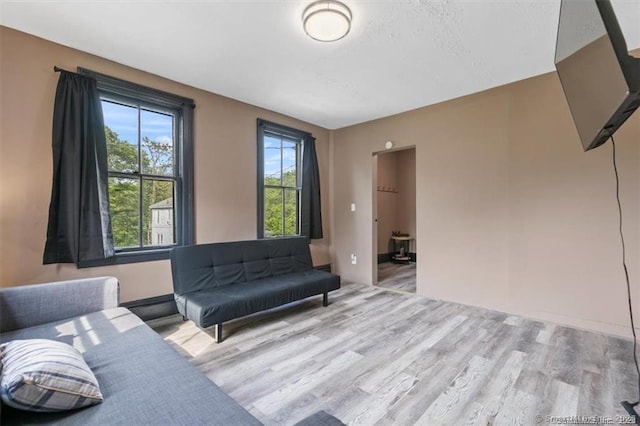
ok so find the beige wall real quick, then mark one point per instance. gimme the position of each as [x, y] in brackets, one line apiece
[225, 165]
[511, 214]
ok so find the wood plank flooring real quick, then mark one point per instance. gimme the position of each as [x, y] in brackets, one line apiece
[397, 276]
[379, 357]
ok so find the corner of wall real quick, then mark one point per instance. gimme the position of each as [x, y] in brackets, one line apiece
[331, 196]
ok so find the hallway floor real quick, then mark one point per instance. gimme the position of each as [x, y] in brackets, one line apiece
[394, 276]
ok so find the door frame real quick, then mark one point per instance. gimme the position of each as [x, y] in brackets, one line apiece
[374, 204]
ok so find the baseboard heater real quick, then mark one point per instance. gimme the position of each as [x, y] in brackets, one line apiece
[153, 307]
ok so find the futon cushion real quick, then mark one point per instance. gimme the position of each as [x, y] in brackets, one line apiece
[46, 376]
[204, 266]
[219, 304]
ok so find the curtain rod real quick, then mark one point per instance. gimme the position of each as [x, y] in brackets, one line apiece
[58, 69]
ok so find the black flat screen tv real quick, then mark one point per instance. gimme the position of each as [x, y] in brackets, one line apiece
[601, 81]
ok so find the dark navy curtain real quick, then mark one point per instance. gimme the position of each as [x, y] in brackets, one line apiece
[310, 209]
[79, 224]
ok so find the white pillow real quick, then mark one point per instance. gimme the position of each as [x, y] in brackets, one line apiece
[46, 375]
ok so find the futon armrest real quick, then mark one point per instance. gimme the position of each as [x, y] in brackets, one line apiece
[29, 305]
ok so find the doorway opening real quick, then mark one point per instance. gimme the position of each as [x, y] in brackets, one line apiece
[394, 227]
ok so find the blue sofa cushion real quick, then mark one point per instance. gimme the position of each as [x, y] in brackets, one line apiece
[144, 381]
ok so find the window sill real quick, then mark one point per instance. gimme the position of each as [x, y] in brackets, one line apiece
[123, 258]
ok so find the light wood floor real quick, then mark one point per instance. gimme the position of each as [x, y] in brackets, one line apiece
[382, 357]
[397, 276]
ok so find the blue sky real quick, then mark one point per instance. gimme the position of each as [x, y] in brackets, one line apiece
[123, 120]
[272, 156]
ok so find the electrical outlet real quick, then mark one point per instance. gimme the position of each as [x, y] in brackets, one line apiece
[353, 259]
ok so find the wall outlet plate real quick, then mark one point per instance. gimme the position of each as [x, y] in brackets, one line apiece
[353, 259]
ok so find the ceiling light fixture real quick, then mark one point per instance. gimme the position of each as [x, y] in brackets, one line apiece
[326, 20]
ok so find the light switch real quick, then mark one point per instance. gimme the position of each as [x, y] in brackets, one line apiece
[353, 207]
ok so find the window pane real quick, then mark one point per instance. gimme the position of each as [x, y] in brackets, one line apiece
[289, 160]
[124, 203]
[272, 212]
[158, 225]
[272, 160]
[121, 131]
[290, 212]
[156, 133]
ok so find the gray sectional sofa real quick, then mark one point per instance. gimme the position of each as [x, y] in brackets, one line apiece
[144, 381]
[218, 282]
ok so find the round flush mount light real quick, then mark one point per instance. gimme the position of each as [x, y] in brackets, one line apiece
[388, 145]
[326, 20]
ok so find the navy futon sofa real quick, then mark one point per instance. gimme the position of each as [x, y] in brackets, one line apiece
[218, 282]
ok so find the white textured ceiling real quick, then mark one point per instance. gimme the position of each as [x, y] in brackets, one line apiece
[399, 55]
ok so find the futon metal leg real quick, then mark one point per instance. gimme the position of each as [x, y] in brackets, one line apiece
[325, 299]
[184, 318]
[217, 332]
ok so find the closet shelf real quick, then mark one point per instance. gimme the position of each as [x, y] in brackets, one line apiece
[384, 189]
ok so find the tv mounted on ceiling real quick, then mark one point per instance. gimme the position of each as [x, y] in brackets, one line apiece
[601, 81]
